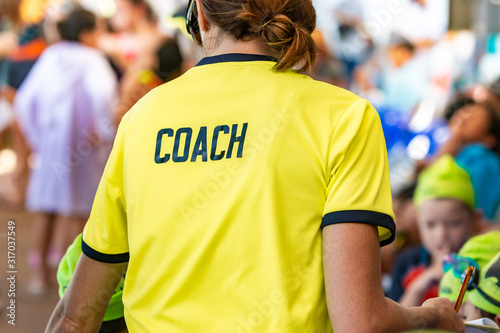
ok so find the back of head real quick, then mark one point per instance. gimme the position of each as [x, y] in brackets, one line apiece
[170, 59]
[76, 23]
[285, 26]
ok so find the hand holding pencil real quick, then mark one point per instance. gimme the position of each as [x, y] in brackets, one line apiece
[446, 318]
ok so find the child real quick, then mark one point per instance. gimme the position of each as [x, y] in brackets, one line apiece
[484, 298]
[477, 252]
[64, 110]
[114, 322]
[445, 202]
[475, 141]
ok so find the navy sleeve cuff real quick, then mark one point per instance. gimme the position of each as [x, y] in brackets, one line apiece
[102, 257]
[363, 216]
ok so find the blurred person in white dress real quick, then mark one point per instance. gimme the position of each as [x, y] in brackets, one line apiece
[64, 109]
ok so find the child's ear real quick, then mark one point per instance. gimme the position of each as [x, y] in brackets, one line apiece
[497, 319]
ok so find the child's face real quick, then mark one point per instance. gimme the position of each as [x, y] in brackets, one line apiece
[469, 312]
[472, 123]
[444, 225]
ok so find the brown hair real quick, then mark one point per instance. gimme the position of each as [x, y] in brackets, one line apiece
[285, 26]
[10, 9]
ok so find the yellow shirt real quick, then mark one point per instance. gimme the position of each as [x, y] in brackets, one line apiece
[216, 192]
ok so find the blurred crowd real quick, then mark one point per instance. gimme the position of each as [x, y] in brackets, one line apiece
[70, 70]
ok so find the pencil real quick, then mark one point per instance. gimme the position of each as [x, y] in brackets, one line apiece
[461, 295]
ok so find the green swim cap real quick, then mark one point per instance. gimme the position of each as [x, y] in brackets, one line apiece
[449, 286]
[487, 294]
[65, 273]
[444, 179]
[479, 249]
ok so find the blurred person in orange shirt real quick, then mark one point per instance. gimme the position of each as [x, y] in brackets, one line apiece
[23, 43]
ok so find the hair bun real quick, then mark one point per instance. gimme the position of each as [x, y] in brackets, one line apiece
[292, 42]
[266, 19]
[285, 26]
[277, 29]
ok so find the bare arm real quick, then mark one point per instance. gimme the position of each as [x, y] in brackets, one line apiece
[416, 290]
[356, 302]
[84, 304]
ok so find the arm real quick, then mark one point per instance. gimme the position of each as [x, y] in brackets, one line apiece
[415, 292]
[84, 304]
[356, 302]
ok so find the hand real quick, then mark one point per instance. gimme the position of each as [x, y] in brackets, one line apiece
[435, 270]
[447, 318]
[424, 281]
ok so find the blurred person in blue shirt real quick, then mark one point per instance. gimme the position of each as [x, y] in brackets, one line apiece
[475, 142]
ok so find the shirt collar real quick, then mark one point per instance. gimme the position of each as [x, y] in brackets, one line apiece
[234, 57]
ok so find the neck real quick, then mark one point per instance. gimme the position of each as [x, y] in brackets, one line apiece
[224, 44]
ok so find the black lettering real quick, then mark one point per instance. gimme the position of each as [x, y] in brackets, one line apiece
[213, 154]
[175, 155]
[200, 141]
[240, 139]
[169, 133]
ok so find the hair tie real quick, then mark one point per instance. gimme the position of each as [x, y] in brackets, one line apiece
[266, 19]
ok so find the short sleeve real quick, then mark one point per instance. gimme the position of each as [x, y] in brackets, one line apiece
[359, 188]
[105, 234]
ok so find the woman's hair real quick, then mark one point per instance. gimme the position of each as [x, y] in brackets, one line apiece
[285, 26]
[75, 24]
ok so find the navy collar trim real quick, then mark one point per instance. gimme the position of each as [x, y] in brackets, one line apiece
[234, 57]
